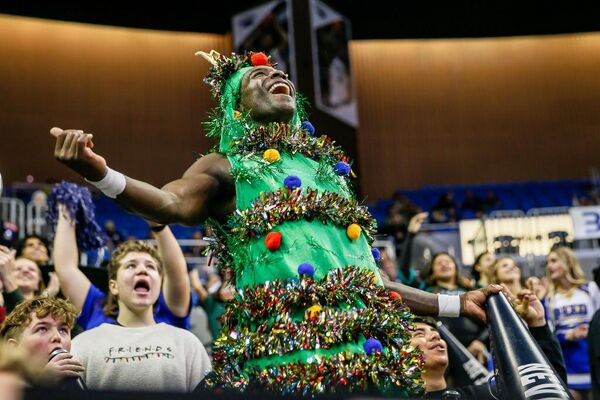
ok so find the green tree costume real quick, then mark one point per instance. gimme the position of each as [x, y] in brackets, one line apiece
[311, 314]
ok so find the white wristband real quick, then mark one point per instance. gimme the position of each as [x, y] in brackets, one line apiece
[112, 185]
[449, 305]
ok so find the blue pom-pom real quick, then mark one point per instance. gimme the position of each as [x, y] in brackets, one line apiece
[376, 254]
[292, 182]
[308, 127]
[341, 168]
[78, 204]
[372, 345]
[306, 269]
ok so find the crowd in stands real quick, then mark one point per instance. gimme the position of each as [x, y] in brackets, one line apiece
[449, 204]
[570, 302]
[152, 326]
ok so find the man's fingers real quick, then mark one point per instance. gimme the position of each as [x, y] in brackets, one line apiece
[73, 364]
[56, 132]
[66, 147]
[69, 374]
[491, 289]
[480, 314]
[74, 144]
[61, 357]
[88, 140]
[60, 140]
[83, 141]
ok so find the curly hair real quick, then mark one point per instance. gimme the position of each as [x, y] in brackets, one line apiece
[18, 320]
[130, 246]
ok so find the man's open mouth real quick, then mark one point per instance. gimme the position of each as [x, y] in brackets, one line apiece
[280, 88]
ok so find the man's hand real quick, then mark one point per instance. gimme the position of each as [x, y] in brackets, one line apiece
[478, 350]
[64, 366]
[74, 149]
[7, 266]
[530, 308]
[579, 333]
[537, 286]
[472, 303]
[53, 285]
[415, 223]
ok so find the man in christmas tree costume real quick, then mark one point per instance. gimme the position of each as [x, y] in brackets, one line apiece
[311, 314]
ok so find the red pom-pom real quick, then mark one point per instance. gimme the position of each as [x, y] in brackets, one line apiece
[395, 295]
[259, 59]
[273, 240]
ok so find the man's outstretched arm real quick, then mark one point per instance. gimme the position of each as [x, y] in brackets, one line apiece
[186, 200]
[425, 303]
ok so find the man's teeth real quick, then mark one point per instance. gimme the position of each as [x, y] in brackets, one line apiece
[279, 88]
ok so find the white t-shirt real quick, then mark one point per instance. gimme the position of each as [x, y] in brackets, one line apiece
[151, 358]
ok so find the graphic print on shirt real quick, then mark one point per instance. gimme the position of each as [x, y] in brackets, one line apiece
[137, 353]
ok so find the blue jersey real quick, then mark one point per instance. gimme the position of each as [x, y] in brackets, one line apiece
[92, 314]
[566, 313]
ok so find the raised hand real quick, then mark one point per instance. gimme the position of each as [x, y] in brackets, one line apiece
[7, 266]
[53, 285]
[74, 149]
[537, 286]
[478, 350]
[416, 222]
[530, 308]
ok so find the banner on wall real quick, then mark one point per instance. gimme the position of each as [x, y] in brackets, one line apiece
[586, 222]
[334, 87]
[267, 28]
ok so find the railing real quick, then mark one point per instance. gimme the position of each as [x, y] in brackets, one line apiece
[13, 210]
[36, 219]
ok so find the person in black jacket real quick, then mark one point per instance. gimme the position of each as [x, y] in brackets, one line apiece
[426, 337]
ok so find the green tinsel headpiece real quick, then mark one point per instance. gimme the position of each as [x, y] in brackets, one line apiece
[225, 79]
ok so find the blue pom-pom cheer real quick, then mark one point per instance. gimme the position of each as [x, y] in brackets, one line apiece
[77, 201]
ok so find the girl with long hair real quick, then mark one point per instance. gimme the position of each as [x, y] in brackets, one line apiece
[571, 303]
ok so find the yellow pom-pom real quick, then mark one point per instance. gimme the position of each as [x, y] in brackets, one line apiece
[313, 312]
[237, 114]
[353, 231]
[271, 155]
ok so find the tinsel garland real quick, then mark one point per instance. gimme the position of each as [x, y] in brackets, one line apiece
[320, 330]
[325, 172]
[78, 203]
[286, 138]
[391, 370]
[226, 65]
[340, 286]
[262, 170]
[274, 208]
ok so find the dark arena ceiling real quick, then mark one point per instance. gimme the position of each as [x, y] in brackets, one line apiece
[370, 19]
